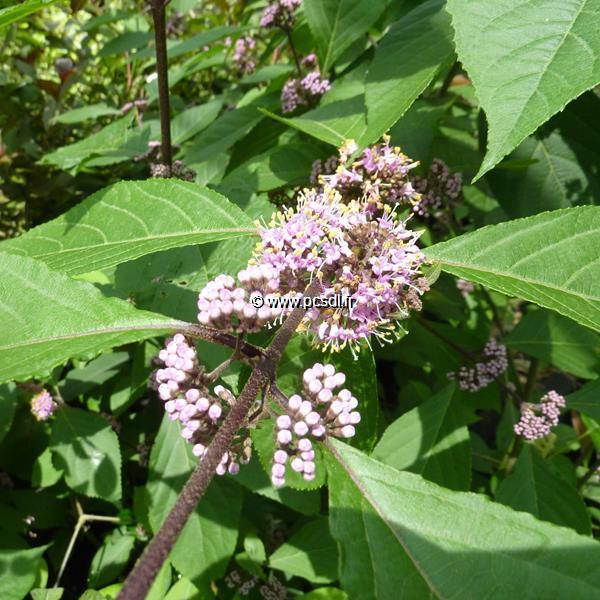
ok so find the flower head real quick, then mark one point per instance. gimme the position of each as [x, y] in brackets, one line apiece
[43, 406]
[537, 420]
[306, 90]
[438, 190]
[244, 58]
[279, 13]
[494, 362]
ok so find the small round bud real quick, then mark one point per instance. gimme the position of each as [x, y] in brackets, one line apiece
[283, 422]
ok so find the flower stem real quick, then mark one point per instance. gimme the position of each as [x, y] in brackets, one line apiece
[288, 32]
[141, 577]
[162, 72]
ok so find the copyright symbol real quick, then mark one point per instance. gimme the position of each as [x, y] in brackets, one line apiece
[257, 301]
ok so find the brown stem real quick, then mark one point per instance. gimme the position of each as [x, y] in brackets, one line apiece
[140, 579]
[288, 32]
[162, 72]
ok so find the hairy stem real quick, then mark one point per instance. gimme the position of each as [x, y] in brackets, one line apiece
[141, 577]
[162, 71]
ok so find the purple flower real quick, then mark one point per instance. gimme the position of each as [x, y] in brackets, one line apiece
[279, 13]
[243, 55]
[43, 406]
[537, 420]
[494, 362]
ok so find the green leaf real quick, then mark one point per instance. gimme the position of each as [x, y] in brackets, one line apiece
[47, 593]
[325, 593]
[561, 162]
[520, 57]
[310, 553]
[128, 220]
[92, 111]
[184, 589]
[560, 341]
[402, 536]
[586, 400]
[409, 57]
[432, 440]
[109, 139]
[193, 120]
[95, 373]
[536, 488]
[550, 259]
[45, 474]
[125, 42]
[281, 166]
[8, 405]
[21, 10]
[111, 558]
[19, 566]
[337, 24]
[48, 317]
[209, 538]
[86, 448]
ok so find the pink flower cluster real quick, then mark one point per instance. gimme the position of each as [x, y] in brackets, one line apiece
[380, 175]
[304, 91]
[279, 13]
[321, 411]
[188, 401]
[537, 420]
[244, 58]
[439, 190]
[373, 260]
[224, 305]
[484, 372]
[43, 406]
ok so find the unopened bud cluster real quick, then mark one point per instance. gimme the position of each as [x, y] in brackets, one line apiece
[188, 401]
[538, 419]
[494, 363]
[439, 190]
[306, 90]
[43, 406]
[279, 13]
[319, 412]
[224, 305]
[244, 57]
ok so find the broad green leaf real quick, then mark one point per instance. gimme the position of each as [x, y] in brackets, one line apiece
[45, 474]
[92, 111]
[47, 593]
[565, 159]
[535, 487]
[98, 371]
[550, 259]
[125, 42]
[339, 116]
[432, 440]
[18, 566]
[520, 57]
[48, 317]
[337, 24]
[184, 589]
[20, 10]
[310, 553]
[193, 120]
[586, 400]
[408, 58]
[111, 558]
[281, 166]
[86, 448]
[560, 341]
[128, 220]
[220, 135]
[209, 538]
[403, 537]
[109, 139]
[325, 593]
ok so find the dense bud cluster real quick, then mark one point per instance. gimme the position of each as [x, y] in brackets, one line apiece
[319, 412]
[224, 305]
[187, 400]
[484, 372]
[439, 190]
[244, 57]
[43, 406]
[372, 260]
[538, 419]
[304, 91]
[465, 287]
[279, 13]
[380, 175]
